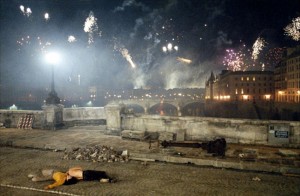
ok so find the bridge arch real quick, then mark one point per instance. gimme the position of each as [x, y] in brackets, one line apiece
[193, 109]
[163, 109]
[136, 108]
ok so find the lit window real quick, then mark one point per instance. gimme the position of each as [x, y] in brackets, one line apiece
[245, 97]
[236, 91]
[242, 91]
[253, 78]
[242, 78]
[247, 78]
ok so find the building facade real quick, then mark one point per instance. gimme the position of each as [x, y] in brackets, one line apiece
[287, 77]
[240, 86]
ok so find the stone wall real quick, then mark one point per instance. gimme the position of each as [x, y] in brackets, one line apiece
[71, 117]
[84, 116]
[10, 118]
[244, 131]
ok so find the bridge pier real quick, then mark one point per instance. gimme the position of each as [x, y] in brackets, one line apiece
[146, 110]
[179, 111]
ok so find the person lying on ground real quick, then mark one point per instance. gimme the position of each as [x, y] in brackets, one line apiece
[72, 176]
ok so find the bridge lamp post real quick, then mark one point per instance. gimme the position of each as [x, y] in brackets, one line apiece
[53, 59]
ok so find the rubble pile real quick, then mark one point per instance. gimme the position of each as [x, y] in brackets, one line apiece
[96, 153]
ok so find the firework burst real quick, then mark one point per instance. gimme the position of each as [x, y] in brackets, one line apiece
[125, 53]
[184, 60]
[91, 27]
[36, 43]
[26, 12]
[71, 39]
[46, 16]
[293, 30]
[127, 56]
[234, 60]
[257, 47]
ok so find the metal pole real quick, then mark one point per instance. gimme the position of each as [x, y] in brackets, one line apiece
[52, 82]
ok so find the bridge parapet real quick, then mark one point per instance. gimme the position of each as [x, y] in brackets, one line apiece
[148, 104]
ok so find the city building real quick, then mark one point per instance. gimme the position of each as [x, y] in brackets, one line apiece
[240, 86]
[287, 77]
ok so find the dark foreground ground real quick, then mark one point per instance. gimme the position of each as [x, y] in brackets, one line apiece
[137, 178]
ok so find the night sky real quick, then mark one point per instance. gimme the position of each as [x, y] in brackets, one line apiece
[172, 43]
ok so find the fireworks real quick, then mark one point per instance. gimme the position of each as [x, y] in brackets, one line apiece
[22, 8]
[33, 42]
[273, 57]
[183, 60]
[234, 60]
[293, 29]
[257, 47]
[71, 39]
[91, 27]
[46, 16]
[26, 12]
[127, 56]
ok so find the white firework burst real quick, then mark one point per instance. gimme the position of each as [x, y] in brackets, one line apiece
[257, 47]
[127, 56]
[293, 30]
[46, 16]
[71, 38]
[91, 27]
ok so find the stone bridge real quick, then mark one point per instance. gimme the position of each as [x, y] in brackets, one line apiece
[171, 107]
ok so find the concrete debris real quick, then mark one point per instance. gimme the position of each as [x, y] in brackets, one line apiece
[241, 155]
[96, 153]
[256, 179]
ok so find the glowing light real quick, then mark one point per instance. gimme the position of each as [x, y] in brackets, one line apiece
[176, 48]
[71, 38]
[22, 8]
[170, 47]
[183, 60]
[28, 11]
[293, 30]
[13, 107]
[164, 49]
[257, 47]
[52, 58]
[268, 97]
[46, 16]
[245, 97]
[91, 27]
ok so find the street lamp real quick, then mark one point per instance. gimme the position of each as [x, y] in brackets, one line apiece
[52, 58]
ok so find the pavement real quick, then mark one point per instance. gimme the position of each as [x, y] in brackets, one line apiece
[285, 161]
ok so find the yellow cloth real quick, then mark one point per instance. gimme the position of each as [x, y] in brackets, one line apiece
[59, 178]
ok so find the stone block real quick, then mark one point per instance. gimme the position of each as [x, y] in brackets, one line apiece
[168, 136]
[129, 134]
[180, 135]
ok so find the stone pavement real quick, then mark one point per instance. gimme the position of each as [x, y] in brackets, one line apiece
[242, 157]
